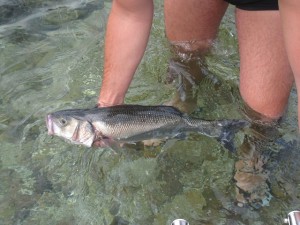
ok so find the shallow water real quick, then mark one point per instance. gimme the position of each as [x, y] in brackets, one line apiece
[51, 58]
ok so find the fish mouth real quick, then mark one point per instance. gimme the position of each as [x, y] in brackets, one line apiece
[49, 124]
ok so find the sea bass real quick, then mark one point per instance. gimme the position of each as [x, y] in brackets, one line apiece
[133, 123]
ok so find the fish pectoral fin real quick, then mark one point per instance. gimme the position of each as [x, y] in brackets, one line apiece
[108, 143]
[88, 141]
[103, 141]
[100, 143]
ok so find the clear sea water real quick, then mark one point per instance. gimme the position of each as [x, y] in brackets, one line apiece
[51, 58]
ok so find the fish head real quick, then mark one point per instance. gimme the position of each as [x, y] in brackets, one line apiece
[70, 127]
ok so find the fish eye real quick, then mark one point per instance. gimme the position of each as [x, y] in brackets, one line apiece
[63, 121]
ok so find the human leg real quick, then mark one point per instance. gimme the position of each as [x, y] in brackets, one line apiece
[196, 21]
[250, 175]
[290, 15]
[265, 75]
[191, 27]
[265, 83]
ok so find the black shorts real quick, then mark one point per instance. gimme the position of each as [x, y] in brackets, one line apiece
[255, 5]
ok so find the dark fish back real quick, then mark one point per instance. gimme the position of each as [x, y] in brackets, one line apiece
[136, 114]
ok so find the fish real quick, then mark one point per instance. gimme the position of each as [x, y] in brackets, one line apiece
[134, 123]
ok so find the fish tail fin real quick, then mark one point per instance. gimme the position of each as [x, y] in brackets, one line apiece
[223, 130]
[228, 130]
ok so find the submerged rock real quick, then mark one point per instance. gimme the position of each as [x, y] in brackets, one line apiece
[136, 173]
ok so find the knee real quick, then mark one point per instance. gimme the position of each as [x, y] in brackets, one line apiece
[190, 50]
[264, 103]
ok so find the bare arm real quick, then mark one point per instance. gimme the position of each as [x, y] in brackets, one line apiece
[127, 35]
[290, 16]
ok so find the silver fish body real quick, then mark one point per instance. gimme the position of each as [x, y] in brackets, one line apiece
[132, 123]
